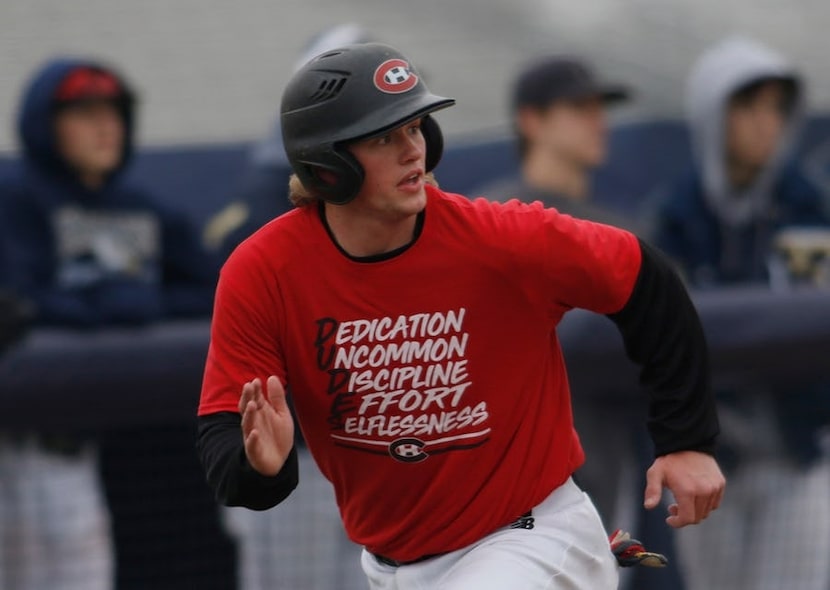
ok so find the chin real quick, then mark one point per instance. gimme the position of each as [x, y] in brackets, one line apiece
[595, 158]
[418, 202]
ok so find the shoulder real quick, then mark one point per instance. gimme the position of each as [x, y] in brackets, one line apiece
[479, 207]
[17, 179]
[793, 185]
[513, 227]
[12, 186]
[19, 196]
[502, 189]
[462, 215]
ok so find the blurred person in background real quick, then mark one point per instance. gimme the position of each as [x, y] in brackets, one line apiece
[719, 222]
[15, 321]
[559, 114]
[263, 189]
[558, 108]
[559, 111]
[89, 251]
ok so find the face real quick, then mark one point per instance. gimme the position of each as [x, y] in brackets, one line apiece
[393, 186]
[90, 137]
[755, 124]
[572, 130]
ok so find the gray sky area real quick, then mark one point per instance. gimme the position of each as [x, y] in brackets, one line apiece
[213, 70]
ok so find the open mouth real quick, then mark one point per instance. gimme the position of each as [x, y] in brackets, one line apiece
[412, 180]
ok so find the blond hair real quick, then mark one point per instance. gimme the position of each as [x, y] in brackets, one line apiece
[300, 196]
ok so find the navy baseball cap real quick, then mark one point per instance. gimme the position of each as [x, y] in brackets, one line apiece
[553, 79]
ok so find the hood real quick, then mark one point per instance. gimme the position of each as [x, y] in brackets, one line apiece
[718, 74]
[35, 119]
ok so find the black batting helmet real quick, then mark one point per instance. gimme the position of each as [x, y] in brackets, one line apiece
[356, 92]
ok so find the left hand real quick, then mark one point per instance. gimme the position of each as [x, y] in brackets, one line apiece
[694, 479]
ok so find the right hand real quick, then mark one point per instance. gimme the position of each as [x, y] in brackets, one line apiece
[267, 425]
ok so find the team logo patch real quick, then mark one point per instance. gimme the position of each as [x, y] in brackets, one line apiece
[394, 77]
[408, 450]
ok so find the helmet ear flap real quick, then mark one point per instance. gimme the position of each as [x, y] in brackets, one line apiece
[434, 140]
[326, 176]
[337, 182]
[340, 181]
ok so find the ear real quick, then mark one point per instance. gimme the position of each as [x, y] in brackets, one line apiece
[528, 121]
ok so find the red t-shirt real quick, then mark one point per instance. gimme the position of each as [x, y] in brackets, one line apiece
[430, 386]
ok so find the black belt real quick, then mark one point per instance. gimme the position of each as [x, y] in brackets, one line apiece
[518, 523]
[395, 563]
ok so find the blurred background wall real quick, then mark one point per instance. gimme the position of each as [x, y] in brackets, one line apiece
[212, 70]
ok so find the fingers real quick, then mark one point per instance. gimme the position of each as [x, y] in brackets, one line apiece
[712, 500]
[683, 512]
[250, 401]
[702, 506]
[694, 507]
[253, 450]
[719, 497]
[276, 394]
[251, 392]
[717, 489]
[249, 415]
[654, 487]
[694, 479]
[251, 442]
[687, 510]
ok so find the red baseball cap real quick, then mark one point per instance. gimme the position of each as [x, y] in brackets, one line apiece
[85, 83]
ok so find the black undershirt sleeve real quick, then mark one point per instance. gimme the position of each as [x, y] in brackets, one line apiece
[234, 481]
[663, 334]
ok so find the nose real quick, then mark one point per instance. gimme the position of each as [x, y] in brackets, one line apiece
[414, 146]
[769, 123]
[107, 121]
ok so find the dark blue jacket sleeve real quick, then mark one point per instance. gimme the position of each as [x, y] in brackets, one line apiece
[190, 272]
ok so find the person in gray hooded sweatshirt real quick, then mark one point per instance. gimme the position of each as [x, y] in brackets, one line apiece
[719, 222]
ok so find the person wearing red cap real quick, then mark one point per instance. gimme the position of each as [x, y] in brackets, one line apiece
[89, 251]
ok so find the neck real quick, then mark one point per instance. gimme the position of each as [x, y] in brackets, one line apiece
[742, 175]
[91, 180]
[557, 175]
[361, 235]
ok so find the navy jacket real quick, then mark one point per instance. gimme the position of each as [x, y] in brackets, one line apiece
[711, 253]
[88, 258]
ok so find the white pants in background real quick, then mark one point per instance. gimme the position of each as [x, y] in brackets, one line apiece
[299, 544]
[771, 532]
[567, 549]
[54, 523]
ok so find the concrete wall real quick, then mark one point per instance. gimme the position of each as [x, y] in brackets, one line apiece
[214, 69]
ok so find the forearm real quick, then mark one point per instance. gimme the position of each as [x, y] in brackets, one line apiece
[662, 333]
[234, 481]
